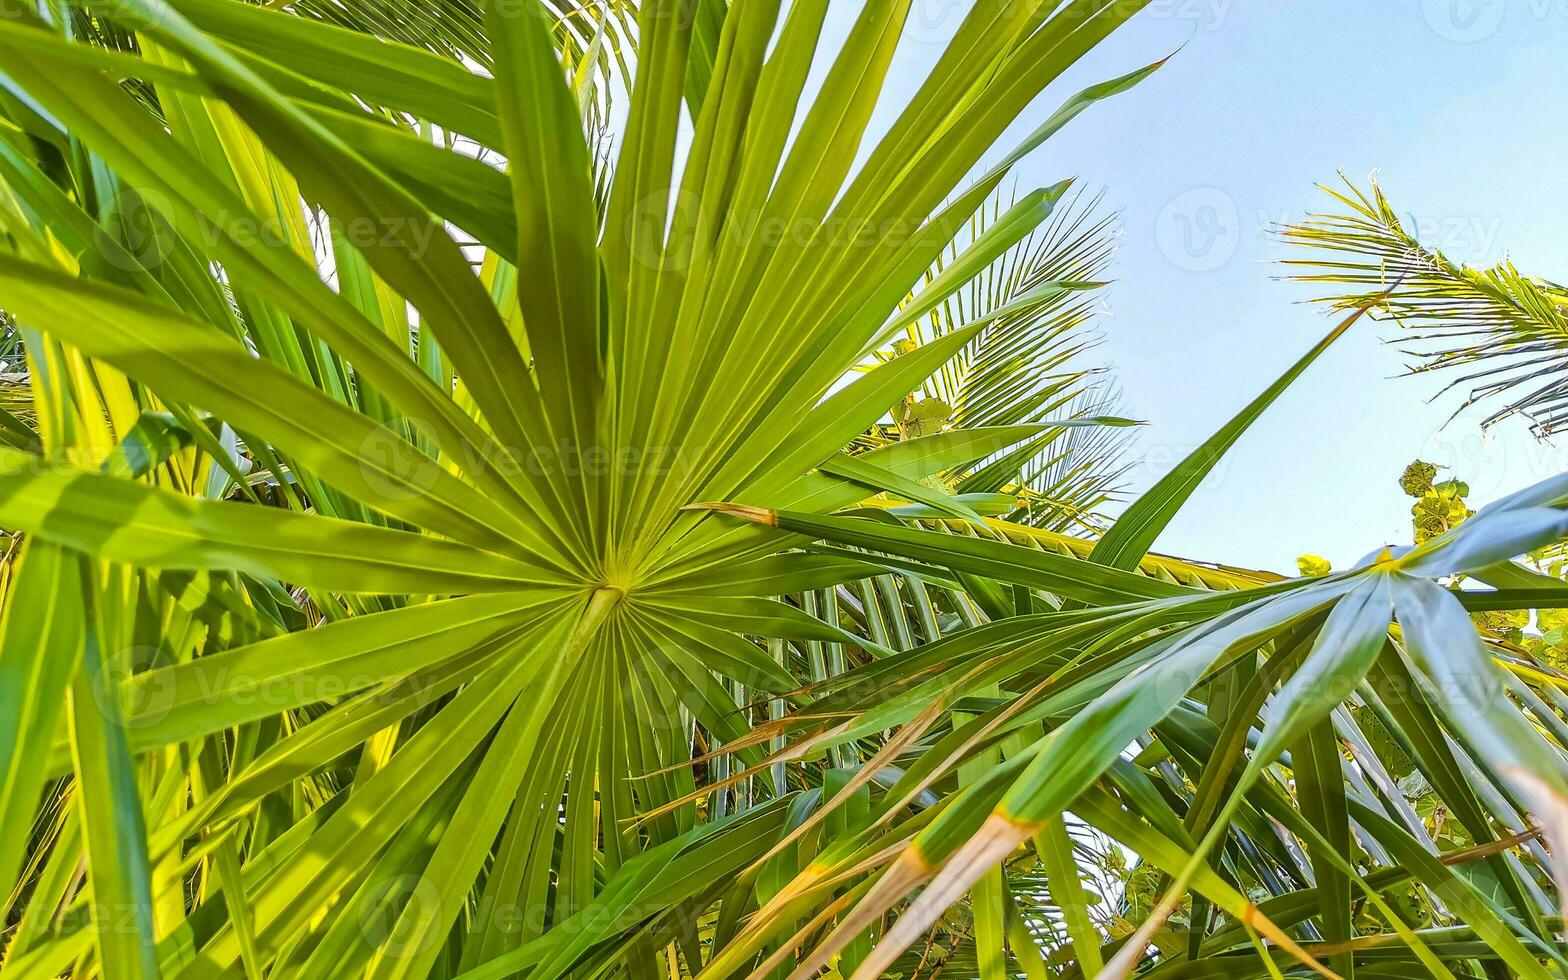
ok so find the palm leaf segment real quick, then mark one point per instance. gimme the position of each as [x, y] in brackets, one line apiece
[1048, 700]
[480, 478]
[1036, 300]
[1034, 712]
[1507, 332]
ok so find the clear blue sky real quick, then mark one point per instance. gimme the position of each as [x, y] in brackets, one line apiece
[1457, 104]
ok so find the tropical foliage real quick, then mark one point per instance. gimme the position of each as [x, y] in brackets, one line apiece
[1508, 332]
[443, 543]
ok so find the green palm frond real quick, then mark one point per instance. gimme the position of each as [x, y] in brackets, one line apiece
[1068, 483]
[1041, 293]
[435, 551]
[454, 28]
[1189, 679]
[1030, 364]
[1506, 332]
[362, 509]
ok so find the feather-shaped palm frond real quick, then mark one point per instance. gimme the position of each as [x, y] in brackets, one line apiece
[596, 39]
[456, 27]
[1506, 332]
[1081, 470]
[1030, 364]
[451, 27]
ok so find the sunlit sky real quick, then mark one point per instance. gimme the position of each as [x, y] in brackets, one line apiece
[1457, 104]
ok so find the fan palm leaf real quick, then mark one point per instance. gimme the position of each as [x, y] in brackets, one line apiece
[461, 631]
[369, 612]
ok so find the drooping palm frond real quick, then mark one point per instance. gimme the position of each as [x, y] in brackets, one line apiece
[1507, 332]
